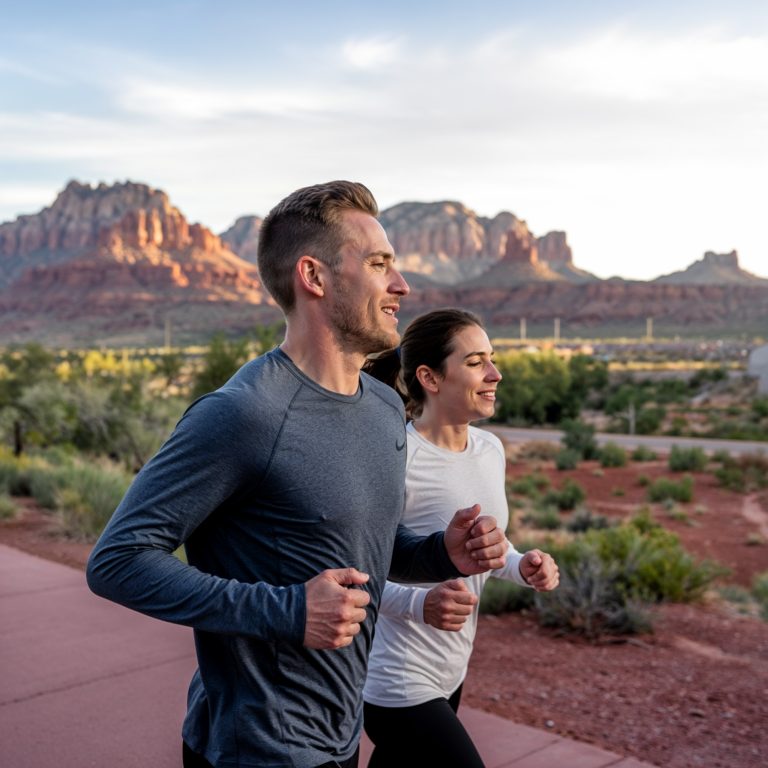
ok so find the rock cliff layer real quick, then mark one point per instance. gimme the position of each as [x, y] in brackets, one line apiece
[714, 269]
[243, 237]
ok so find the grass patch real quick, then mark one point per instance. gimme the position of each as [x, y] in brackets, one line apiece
[598, 472]
[755, 540]
[687, 459]
[665, 489]
[618, 492]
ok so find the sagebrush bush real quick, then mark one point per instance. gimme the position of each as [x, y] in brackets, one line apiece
[643, 479]
[570, 495]
[529, 485]
[687, 459]
[641, 453]
[580, 436]
[539, 449]
[583, 519]
[612, 455]
[722, 457]
[746, 474]
[567, 459]
[501, 596]
[644, 521]
[665, 489]
[545, 518]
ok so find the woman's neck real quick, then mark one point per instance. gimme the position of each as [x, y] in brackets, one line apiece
[439, 432]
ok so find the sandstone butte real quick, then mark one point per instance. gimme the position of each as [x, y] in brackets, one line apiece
[115, 253]
[112, 258]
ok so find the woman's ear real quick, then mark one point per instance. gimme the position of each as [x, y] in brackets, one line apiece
[427, 378]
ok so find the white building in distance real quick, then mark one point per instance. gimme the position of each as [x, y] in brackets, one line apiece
[758, 366]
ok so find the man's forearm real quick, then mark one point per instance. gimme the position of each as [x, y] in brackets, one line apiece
[420, 559]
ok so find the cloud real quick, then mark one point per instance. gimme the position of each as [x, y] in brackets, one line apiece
[370, 53]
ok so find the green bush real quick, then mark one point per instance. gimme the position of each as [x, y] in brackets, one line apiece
[641, 453]
[583, 519]
[529, 485]
[567, 459]
[570, 495]
[722, 457]
[760, 407]
[580, 437]
[746, 474]
[760, 587]
[687, 459]
[643, 479]
[644, 521]
[8, 507]
[733, 593]
[618, 492]
[545, 518]
[664, 489]
[501, 596]
[612, 455]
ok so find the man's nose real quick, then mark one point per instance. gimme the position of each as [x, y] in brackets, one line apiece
[398, 284]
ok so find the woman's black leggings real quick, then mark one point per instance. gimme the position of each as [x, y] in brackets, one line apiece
[424, 735]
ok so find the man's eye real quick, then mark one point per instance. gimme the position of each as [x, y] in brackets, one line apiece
[379, 264]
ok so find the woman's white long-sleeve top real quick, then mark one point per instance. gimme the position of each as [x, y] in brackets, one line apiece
[411, 662]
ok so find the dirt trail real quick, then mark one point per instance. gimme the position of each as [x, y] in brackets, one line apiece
[753, 511]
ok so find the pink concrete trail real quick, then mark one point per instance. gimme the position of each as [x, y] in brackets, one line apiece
[84, 682]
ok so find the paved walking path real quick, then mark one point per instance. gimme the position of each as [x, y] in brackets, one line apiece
[84, 682]
[654, 442]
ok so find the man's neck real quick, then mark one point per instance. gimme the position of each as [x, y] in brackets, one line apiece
[317, 353]
[450, 437]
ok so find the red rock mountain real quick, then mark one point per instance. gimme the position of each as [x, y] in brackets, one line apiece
[714, 269]
[243, 237]
[119, 258]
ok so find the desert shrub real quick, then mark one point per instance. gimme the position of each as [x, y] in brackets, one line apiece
[220, 363]
[88, 497]
[760, 407]
[680, 515]
[755, 540]
[567, 459]
[580, 437]
[664, 489]
[529, 485]
[760, 587]
[644, 480]
[598, 472]
[8, 507]
[539, 449]
[612, 455]
[641, 453]
[590, 600]
[644, 521]
[583, 519]
[746, 474]
[733, 593]
[500, 596]
[722, 457]
[687, 459]
[618, 492]
[545, 518]
[570, 495]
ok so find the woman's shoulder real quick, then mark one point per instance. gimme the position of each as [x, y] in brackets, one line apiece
[487, 441]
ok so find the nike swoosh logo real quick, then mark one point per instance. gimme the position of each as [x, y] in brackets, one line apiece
[400, 446]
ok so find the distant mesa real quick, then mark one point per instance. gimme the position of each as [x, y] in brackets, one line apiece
[243, 237]
[714, 269]
[118, 255]
[449, 244]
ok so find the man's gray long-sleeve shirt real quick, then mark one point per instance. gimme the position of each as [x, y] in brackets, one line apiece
[268, 481]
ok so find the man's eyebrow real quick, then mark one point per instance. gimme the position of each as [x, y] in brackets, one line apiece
[384, 254]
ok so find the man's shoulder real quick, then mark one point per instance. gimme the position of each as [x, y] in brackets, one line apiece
[383, 392]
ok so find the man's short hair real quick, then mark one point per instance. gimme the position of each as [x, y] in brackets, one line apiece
[307, 222]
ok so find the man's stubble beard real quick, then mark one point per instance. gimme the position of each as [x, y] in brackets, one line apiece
[352, 330]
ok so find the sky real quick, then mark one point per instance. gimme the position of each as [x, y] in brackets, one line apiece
[638, 128]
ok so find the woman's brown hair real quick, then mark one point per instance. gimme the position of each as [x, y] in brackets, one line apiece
[428, 340]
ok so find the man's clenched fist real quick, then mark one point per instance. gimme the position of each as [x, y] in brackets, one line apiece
[475, 544]
[447, 605]
[334, 613]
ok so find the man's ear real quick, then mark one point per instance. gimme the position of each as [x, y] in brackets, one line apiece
[310, 275]
[427, 379]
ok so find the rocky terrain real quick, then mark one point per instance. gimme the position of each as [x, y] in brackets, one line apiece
[714, 269]
[108, 263]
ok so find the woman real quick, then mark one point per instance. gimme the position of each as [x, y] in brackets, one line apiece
[424, 634]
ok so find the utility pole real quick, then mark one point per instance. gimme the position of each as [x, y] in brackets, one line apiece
[630, 416]
[167, 334]
[649, 328]
[522, 329]
[557, 329]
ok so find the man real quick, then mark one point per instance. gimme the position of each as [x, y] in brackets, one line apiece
[286, 488]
